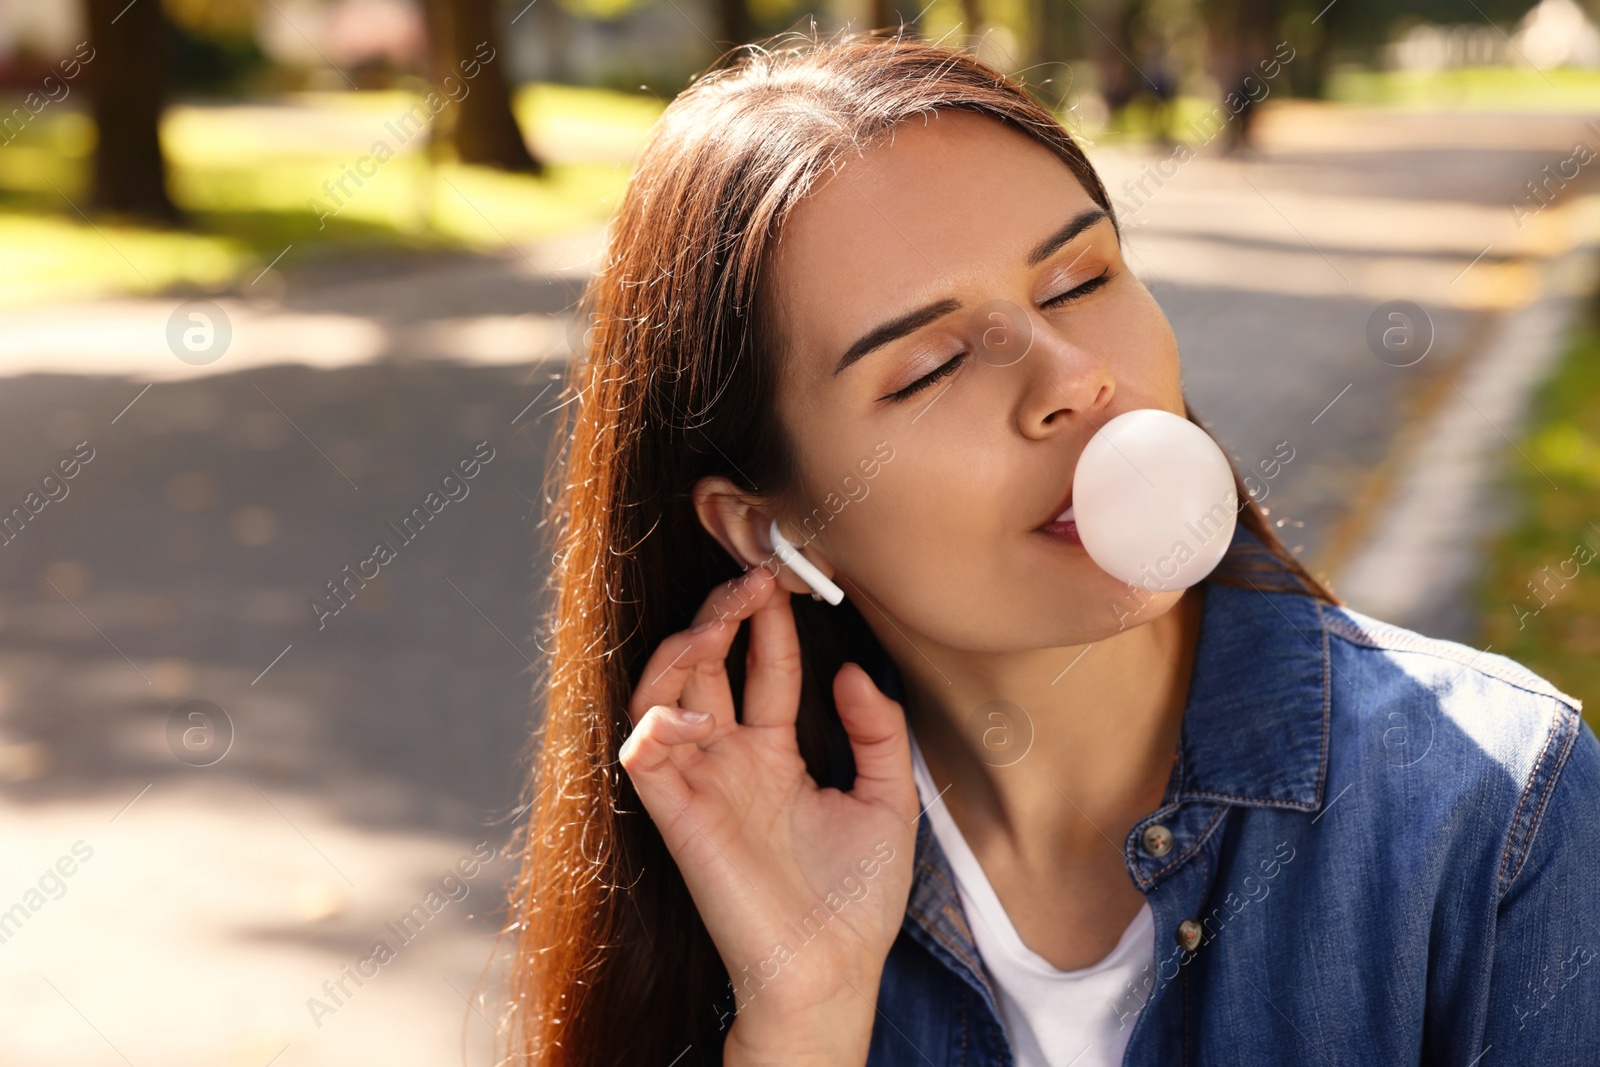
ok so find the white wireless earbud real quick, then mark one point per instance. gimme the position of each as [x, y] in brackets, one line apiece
[823, 587]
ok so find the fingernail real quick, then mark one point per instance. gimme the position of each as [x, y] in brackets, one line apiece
[693, 716]
[701, 626]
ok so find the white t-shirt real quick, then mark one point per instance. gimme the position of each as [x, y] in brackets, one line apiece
[1054, 1018]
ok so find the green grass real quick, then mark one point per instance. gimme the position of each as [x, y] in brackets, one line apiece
[1189, 121]
[1540, 598]
[248, 175]
[1487, 88]
[1478, 88]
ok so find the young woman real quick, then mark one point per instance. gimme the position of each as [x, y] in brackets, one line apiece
[996, 806]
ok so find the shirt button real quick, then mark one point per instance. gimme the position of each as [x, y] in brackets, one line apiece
[1189, 933]
[1157, 839]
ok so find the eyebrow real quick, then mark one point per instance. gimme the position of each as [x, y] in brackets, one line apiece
[896, 328]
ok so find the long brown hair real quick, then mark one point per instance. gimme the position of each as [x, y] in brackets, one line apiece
[611, 963]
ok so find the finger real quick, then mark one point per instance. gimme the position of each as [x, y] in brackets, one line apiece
[878, 740]
[707, 685]
[772, 671]
[734, 599]
[684, 655]
[651, 756]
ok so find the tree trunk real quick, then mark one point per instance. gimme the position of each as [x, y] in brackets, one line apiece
[892, 13]
[130, 73]
[1241, 35]
[555, 32]
[1056, 44]
[1111, 47]
[972, 15]
[734, 24]
[464, 36]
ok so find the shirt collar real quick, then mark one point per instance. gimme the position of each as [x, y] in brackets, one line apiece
[1255, 730]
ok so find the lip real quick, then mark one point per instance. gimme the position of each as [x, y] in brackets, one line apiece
[1065, 503]
[1065, 532]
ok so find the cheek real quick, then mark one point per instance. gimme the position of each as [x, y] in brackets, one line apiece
[1143, 350]
[843, 477]
[932, 542]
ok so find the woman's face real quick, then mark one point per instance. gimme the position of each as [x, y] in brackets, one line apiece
[954, 300]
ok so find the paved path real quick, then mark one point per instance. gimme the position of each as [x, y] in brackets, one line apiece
[369, 756]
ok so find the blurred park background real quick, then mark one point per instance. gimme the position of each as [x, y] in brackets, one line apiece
[270, 269]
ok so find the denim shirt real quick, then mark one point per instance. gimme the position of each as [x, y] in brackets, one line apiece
[1384, 849]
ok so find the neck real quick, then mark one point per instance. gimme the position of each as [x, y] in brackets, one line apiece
[1104, 732]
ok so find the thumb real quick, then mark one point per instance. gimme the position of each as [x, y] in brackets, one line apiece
[878, 739]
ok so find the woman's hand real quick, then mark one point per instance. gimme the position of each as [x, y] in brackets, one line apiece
[802, 889]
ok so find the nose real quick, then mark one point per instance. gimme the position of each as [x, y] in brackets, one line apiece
[1061, 384]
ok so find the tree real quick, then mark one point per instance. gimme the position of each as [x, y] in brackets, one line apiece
[892, 14]
[972, 15]
[1111, 51]
[734, 22]
[1056, 38]
[1241, 34]
[462, 33]
[130, 72]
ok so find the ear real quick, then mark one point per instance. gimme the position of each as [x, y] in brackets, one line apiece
[739, 524]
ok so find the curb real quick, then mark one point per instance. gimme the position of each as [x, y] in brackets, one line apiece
[1418, 564]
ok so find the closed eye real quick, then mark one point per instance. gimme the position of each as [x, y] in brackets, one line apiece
[928, 379]
[954, 363]
[1079, 291]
